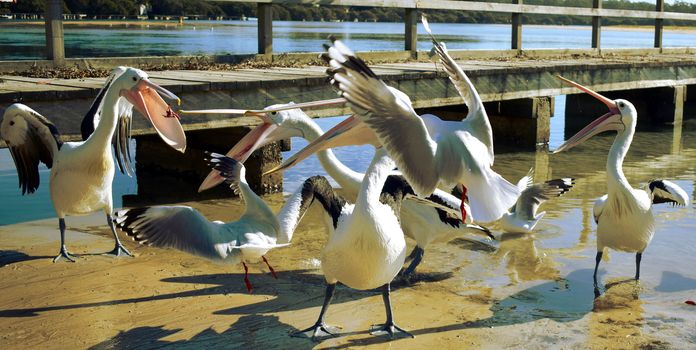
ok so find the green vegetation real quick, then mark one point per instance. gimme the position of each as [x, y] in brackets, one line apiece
[339, 13]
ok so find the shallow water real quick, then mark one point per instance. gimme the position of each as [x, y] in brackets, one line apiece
[239, 37]
[526, 291]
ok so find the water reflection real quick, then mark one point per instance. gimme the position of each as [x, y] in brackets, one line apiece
[525, 262]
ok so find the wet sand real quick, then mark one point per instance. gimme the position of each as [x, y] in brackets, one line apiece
[522, 291]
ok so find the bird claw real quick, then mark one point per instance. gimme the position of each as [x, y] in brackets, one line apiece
[390, 329]
[317, 332]
[119, 251]
[64, 254]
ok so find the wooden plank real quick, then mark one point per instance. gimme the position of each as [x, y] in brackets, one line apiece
[411, 31]
[659, 26]
[596, 25]
[491, 7]
[516, 22]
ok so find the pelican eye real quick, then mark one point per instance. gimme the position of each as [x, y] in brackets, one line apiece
[621, 104]
[135, 79]
[274, 113]
[11, 122]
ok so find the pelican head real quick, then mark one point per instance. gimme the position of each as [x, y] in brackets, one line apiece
[621, 116]
[135, 86]
[278, 122]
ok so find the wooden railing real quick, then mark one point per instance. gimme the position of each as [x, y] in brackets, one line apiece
[54, 28]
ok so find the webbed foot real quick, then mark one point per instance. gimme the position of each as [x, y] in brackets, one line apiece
[317, 332]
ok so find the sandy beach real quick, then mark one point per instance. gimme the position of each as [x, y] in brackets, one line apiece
[468, 293]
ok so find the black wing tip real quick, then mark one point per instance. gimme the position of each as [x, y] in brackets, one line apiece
[125, 219]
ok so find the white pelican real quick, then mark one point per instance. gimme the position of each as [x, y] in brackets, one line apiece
[425, 148]
[183, 228]
[624, 215]
[420, 221]
[523, 217]
[367, 249]
[82, 172]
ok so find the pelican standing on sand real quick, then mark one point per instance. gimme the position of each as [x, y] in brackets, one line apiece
[183, 228]
[425, 148]
[82, 172]
[420, 221]
[624, 216]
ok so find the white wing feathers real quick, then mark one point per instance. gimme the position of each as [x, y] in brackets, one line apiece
[31, 139]
[179, 227]
[389, 114]
[663, 191]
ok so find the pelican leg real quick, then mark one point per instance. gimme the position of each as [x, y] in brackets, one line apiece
[320, 329]
[249, 288]
[639, 256]
[598, 258]
[63, 251]
[119, 249]
[389, 327]
[270, 267]
[417, 254]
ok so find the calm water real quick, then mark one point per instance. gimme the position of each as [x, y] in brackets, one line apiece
[238, 37]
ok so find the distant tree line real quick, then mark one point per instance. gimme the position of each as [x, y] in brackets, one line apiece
[340, 13]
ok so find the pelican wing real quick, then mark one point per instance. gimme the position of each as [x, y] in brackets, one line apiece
[456, 75]
[388, 112]
[179, 227]
[535, 195]
[31, 139]
[663, 191]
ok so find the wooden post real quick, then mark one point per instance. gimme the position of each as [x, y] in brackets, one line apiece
[516, 42]
[264, 13]
[596, 25]
[55, 48]
[659, 7]
[411, 31]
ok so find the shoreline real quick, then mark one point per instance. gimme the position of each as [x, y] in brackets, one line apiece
[189, 22]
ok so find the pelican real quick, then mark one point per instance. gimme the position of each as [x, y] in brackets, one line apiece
[420, 221]
[523, 217]
[425, 148]
[183, 228]
[82, 172]
[624, 216]
[368, 248]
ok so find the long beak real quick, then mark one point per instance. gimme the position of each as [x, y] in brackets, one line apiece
[240, 152]
[145, 97]
[349, 132]
[262, 112]
[609, 121]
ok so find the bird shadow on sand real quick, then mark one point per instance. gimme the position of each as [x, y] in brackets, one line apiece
[564, 300]
[249, 332]
[8, 257]
[674, 282]
[306, 282]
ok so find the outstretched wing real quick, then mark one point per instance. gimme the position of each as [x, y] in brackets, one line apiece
[179, 227]
[388, 112]
[479, 127]
[31, 139]
[664, 191]
[533, 196]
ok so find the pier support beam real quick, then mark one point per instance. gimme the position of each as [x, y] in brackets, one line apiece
[523, 124]
[165, 175]
[411, 31]
[55, 47]
[264, 13]
[596, 25]
[516, 41]
[657, 106]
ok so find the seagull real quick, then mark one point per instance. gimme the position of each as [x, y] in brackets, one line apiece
[82, 172]
[183, 228]
[420, 221]
[523, 217]
[426, 149]
[624, 216]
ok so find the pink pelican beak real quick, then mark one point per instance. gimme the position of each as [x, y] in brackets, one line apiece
[349, 132]
[609, 121]
[145, 97]
[268, 131]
